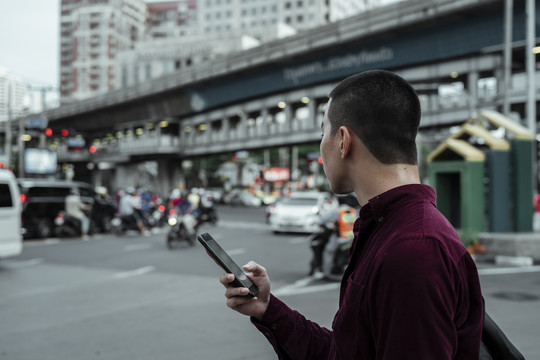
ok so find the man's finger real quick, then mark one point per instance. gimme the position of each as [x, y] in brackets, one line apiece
[226, 279]
[254, 268]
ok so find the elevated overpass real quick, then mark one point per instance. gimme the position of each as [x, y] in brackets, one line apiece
[274, 95]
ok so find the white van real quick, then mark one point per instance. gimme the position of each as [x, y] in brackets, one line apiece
[10, 216]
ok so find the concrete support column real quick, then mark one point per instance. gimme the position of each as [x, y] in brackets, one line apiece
[312, 107]
[289, 117]
[169, 175]
[242, 126]
[472, 88]
[225, 129]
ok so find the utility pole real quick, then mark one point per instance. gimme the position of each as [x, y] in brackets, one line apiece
[508, 12]
[531, 84]
[7, 145]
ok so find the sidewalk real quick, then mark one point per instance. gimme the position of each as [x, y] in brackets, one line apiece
[517, 249]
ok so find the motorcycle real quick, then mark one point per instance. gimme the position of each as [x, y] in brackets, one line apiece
[122, 224]
[330, 252]
[68, 226]
[183, 229]
[206, 212]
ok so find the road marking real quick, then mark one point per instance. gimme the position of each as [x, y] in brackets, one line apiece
[510, 270]
[302, 286]
[17, 264]
[243, 225]
[135, 247]
[136, 272]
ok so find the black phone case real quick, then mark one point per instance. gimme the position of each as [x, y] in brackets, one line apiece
[238, 282]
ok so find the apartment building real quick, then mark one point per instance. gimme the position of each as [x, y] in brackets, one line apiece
[182, 34]
[13, 96]
[112, 44]
[92, 32]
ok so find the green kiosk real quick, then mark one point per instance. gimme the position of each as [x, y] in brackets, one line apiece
[483, 182]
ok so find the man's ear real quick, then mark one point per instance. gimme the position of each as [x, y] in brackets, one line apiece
[345, 143]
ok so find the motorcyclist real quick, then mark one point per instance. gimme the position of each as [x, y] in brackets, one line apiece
[76, 208]
[335, 251]
[347, 214]
[128, 205]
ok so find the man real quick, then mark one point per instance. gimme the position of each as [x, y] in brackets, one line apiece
[128, 206]
[76, 209]
[411, 290]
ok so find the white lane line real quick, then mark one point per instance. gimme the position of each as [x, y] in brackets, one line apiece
[135, 247]
[511, 270]
[302, 286]
[136, 272]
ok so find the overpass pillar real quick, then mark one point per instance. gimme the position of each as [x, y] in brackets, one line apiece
[170, 175]
[312, 107]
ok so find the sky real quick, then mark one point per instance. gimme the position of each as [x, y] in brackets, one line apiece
[29, 42]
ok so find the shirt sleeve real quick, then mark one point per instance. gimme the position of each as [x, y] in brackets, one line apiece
[292, 335]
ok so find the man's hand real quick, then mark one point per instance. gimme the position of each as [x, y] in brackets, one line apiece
[236, 296]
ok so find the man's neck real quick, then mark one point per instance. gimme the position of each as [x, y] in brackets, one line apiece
[381, 178]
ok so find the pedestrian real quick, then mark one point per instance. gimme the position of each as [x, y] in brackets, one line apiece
[411, 289]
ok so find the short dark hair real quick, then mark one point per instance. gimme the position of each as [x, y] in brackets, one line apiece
[383, 110]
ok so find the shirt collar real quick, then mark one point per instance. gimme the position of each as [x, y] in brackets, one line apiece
[381, 205]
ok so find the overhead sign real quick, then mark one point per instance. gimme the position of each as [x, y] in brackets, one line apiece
[37, 123]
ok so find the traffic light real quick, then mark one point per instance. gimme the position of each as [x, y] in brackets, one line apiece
[64, 132]
[48, 132]
[92, 149]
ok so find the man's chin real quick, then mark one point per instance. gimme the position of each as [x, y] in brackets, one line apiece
[340, 191]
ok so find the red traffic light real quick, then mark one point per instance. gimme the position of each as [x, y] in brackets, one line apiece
[319, 160]
[64, 132]
[92, 149]
[48, 132]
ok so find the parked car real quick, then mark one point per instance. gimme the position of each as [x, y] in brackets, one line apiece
[43, 199]
[10, 216]
[301, 211]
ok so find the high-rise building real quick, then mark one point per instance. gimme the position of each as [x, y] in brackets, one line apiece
[340, 9]
[92, 32]
[181, 34]
[111, 44]
[13, 96]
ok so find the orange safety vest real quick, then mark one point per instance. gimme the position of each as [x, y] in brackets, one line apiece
[346, 218]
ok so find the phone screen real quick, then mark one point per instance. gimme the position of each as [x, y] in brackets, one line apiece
[227, 264]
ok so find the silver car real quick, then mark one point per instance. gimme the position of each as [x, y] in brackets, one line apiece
[301, 211]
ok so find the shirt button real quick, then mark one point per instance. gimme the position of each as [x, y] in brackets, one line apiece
[274, 326]
[380, 218]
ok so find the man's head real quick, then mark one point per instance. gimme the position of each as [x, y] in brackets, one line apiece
[382, 110]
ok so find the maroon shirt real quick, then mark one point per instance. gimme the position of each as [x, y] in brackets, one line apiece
[411, 291]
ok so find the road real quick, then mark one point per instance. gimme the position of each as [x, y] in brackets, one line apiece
[131, 298]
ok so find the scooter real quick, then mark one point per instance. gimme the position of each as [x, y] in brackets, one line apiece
[68, 226]
[330, 252]
[183, 229]
[122, 224]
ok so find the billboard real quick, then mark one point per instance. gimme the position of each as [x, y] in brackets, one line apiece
[39, 161]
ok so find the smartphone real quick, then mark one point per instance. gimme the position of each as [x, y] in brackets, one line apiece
[227, 264]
